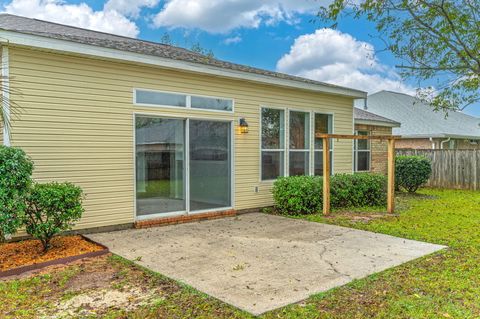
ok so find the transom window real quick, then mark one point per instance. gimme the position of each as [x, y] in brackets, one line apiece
[362, 153]
[170, 99]
[300, 156]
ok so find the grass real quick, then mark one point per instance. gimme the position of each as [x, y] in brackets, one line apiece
[442, 285]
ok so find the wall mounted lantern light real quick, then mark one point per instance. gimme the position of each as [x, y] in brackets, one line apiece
[243, 125]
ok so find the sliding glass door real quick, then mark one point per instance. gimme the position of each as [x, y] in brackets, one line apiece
[160, 158]
[210, 165]
[178, 172]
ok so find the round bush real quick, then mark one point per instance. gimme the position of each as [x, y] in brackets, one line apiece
[51, 209]
[15, 178]
[298, 194]
[411, 172]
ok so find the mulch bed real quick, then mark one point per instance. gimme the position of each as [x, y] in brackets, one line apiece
[30, 252]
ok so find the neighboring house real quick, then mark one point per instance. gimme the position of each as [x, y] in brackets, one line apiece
[151, 130]
[371, 155]
[422, 127]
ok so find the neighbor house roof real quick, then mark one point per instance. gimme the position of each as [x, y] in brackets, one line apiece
[364, 117]
[419, 120]
[59, 32]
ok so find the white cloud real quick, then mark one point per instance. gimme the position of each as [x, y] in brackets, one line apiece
[335, 57]
[129, 8]
[220, 16]
[232, 40]
[79, 15]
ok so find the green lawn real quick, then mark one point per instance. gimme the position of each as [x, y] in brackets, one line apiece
[443, 285]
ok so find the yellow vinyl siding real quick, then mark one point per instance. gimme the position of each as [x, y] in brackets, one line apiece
[77, 124]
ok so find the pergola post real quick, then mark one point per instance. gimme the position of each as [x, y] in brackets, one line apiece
[391, 176]
[326, 176]
[390, 166]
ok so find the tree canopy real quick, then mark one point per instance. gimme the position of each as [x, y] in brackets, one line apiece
[436, 41]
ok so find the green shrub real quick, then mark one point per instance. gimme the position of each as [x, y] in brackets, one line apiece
[299, 194]
[358, 190]
[51, 209]
[303, 194]
[15, 179]
[411, 172]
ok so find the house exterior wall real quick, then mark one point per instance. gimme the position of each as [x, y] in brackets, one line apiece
[424, 143]
[420, 143]
[77, 125]
[379, 152]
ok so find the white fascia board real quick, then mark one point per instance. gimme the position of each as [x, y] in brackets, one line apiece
[441, 135]
[376, 123]
[97, 51]
[5, 94]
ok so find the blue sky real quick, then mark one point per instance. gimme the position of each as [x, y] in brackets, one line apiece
[280, 35]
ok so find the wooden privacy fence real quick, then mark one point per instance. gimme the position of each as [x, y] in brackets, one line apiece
[451, 168]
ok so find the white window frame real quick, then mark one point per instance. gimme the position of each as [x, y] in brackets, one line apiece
[188, 103]
[331, 115]
[286, 148]
[356, 151]
[285, 142]
[294, 150]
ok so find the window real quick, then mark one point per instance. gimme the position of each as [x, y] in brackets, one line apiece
[299, 146]
[362, 153]
[160, 98]
[182, 100]
[273, 143]
[210, 103]
[323, 125]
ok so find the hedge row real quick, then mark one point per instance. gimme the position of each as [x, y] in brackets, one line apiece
[303, 194]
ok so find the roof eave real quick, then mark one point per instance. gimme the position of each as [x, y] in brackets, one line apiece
[376, 123]
[29, 40]
[441, 135]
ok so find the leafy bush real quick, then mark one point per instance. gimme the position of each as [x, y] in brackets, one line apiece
[51, 209]
[298, 194]
[411, 172]
[358, 190]
[15, 179]
[303, 194]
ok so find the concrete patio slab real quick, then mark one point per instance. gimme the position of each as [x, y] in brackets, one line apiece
[260, 262]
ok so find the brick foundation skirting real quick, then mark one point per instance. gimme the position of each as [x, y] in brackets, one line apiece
[184, 219]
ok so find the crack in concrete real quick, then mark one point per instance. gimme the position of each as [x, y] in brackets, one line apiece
[330, 263]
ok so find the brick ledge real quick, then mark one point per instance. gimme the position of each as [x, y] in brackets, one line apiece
[172, 220]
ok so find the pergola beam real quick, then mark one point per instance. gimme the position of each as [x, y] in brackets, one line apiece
[390, 166]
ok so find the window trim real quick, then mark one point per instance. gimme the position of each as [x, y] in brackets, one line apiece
[299, 150]
[188, 103]
[332, 142]
[286, 148]
[356, 151]
[285, 123]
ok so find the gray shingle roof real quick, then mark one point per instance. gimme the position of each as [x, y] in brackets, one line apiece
[52, 30]
[419, 119]
[361, 115]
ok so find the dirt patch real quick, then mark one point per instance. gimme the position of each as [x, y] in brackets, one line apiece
[359, 217]
[92, 280]
[29, 252]
[95, 302]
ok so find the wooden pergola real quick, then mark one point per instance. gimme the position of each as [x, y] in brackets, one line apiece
[390, 166]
